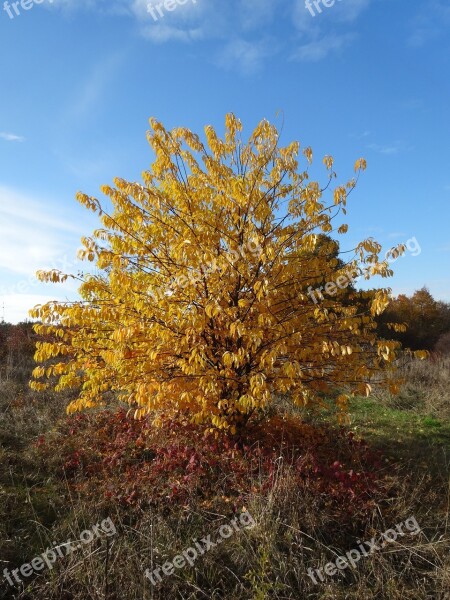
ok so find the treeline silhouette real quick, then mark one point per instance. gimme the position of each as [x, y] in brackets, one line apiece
[427, 321]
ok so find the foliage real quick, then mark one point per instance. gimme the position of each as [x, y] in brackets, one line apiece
[17, 346]
[443, 344]
[200, 299]
[123, 461]
[426, 321]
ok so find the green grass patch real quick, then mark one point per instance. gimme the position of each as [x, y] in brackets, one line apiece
[403, 434]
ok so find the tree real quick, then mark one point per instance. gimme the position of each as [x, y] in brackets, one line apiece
[443, 344]
[425, 320]
[201, 303]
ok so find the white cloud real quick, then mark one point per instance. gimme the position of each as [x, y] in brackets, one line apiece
[15, 307]
[319, 49]
[192, 21]
[11, 137]
[165, 32]
[346, 11]
[239, 21]
[248, 55]
[390, 149]
[320, 35]
[31, 237]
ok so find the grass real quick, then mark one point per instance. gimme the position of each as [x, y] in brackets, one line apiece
[398, 428]
[411, 428]
[291, 476]
[404, 435]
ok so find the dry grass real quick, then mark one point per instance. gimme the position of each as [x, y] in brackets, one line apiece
[296, 528]
[427, 386]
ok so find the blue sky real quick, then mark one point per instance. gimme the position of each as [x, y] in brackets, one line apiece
[79, 80]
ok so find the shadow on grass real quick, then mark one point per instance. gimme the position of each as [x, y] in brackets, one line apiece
[404, 435]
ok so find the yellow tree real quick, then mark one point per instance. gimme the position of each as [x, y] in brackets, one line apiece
[203, 302]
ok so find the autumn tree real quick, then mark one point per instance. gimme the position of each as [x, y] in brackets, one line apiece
[426, 320]
[199, 305]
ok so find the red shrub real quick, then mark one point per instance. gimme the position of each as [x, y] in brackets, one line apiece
[131, 462]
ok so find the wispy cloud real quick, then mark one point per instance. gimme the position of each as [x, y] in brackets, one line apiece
[319, 49]
[360, 136]
[389, 149]
[11, 137]
[192, 21]
[393, 149]
[396, 235]
[346, 12]
[245, 23]
[232, 26]
[248, 55]
[255, 14]
[430, 23]
[88, 94]
[31, 237]
[16, 306]
[321, 35]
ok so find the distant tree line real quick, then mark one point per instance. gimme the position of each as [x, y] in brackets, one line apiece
[17, 346]
[427, 322]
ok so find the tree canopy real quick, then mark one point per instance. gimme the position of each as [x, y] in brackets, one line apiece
[200, 302]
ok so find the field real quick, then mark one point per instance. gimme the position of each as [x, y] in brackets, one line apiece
[224, 300]
[314, 491]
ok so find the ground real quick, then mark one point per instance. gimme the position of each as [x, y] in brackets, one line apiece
[315, 491]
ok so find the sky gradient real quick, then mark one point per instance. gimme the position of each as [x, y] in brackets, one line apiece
[79, 80]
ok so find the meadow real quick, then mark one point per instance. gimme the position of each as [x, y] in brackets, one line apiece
[315, 489]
